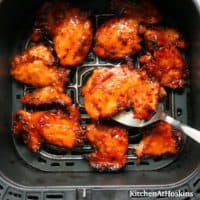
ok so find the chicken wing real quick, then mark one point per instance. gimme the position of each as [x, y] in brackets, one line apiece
[167, 65]
[111, 145]
[46, 96]
[35, 66]
[158, 140]
[117, 38]
[54, 127]
[110, 90]
[143, 11]
[70, 29]
[162, 37]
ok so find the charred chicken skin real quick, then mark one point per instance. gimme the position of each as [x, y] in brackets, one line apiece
[36, 67]
[167, 65]
[108, 91]
[117, 38]
[46, 96]
[163, 37]
[158, 140]
[70, 29]
[111, 145]
[54, 127]
[143, 11]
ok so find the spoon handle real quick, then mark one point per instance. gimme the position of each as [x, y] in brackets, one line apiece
[191, 132]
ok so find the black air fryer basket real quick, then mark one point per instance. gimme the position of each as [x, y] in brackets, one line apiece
[55, 174]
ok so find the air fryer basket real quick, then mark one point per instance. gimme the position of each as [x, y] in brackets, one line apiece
[56, 174]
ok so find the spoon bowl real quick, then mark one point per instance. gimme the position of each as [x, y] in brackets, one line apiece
[127, 118]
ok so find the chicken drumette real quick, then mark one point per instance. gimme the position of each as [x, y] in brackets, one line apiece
[54, 127]
[168, 65]
[68, 27]
[117, 38]
[111, 145]
[164, 59]
[158, 140]
[110, 90]
[163, 37]
[36, 67]
[47, 96]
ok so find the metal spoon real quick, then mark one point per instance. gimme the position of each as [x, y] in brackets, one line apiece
[127, 118]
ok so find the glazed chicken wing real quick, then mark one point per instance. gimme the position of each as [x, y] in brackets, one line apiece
[111, 145]
[24, 125]
[158, 140]
[162, 37]
[167, 65]
[117, 38]
[45, 96]
[35, 66]
[143, 11]
[70, 29]
[110, 90]
[53, 127]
